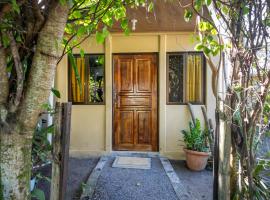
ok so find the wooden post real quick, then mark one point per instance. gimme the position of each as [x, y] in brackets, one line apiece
[61, 139]
[55, 180]
[65, 141]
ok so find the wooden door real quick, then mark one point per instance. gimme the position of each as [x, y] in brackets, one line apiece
[135, 103]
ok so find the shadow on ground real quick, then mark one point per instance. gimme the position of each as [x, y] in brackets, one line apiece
[79, 171]
[200, 184]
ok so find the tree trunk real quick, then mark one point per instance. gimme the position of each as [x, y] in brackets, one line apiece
[224, 151]
[16, 144]
[15, 168]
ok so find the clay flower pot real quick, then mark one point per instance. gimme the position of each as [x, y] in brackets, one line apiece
[196, 160]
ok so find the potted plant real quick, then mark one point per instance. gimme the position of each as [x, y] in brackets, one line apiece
[197, 148]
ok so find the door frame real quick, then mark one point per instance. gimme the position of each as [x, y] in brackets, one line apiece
[157, 66]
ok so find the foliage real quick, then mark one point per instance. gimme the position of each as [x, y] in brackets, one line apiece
[261, 174]
[41, 148]
[41, 151]
[196, 139]
[241, 30]
[96, 80]
[38, 193]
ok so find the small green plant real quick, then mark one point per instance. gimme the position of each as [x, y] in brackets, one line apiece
[196, 139]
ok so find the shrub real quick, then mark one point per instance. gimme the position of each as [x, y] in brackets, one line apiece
[196, 139]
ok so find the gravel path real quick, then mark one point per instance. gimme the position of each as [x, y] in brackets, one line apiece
[134, 184]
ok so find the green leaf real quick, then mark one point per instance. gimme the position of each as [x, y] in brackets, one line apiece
[39, 194]
[18, 38]
[199, 47]
[100, 36]
[206, 50]
[56, 92]
[82, 53]
[245, 10]
[225, 10]
[77, 14]
[124, 23]
[5, 40]
[81, 30]
[62, 2]
[101, 60]
[208, 2]
[105, 32]
[120, 13]
[198, 5]
[15, 6]
[127, 31]
[188, 15]
[150, 6]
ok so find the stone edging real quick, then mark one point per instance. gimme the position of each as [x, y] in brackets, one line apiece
[179, 188]
[93, 178]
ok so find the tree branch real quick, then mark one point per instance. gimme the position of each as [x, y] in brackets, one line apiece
[4, 88]
[19, 71]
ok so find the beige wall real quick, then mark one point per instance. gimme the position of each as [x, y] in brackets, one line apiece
[91, 127]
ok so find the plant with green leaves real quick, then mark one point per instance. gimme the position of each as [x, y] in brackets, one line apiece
[196, 138]
[34, 37]
[237, 32]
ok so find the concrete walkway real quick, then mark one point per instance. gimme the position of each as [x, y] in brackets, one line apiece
[161, 182]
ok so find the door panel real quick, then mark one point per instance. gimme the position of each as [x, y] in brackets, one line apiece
[144, 132]
[126, 130]
[135, 102]
[143, 68]
[126, 81]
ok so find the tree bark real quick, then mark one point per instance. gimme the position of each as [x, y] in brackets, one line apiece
[225, 151]
[42, 73]
[3, 75]
[4, 88]
[15, 168]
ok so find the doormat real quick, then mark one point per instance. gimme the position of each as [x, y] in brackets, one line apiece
[132, 162]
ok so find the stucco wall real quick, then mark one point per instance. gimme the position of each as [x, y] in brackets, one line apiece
[91, 127]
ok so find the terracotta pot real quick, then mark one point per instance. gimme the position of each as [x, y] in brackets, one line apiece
[196, 160]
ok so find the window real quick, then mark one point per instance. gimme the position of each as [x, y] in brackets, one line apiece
[185, 78]
[90, 88]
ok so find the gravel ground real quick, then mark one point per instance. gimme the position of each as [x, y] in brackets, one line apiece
[197, 183]
[79, 170]
[131, 184]
[134, 184]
